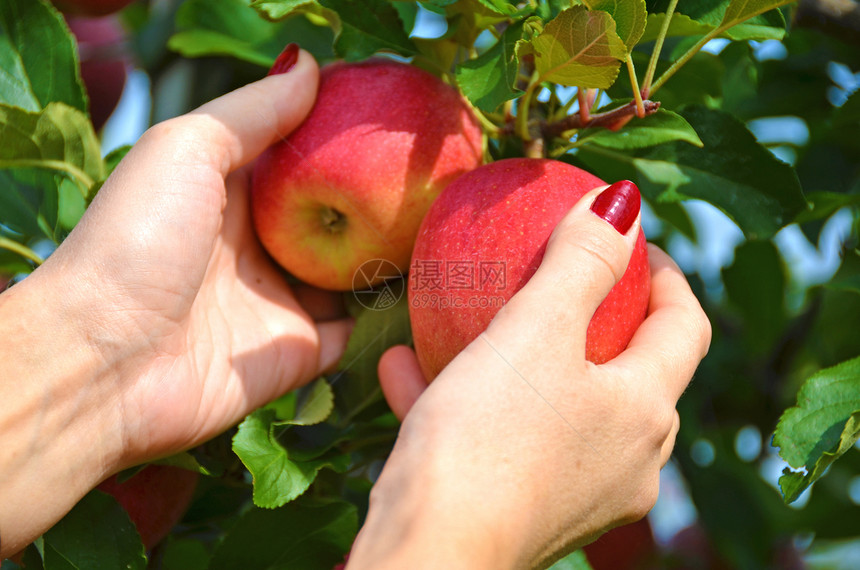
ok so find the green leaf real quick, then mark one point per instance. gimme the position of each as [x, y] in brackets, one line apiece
[676, 215]
[203, 43]
[507, 8]
[576, 560]
[732, 171]
[489, 80]
[740, 11]
[848, 115]
[38, 57]
[356, 383]
[847, 278]
[825, 204]
[306, 406]
[681, 25]
[368, 27]
[467, 19]
[580, 47]
[12, 263]
[755, 284]
[304, 535]
[277, 478]
[26, 197]
[184, 554]
[279, 9]
[768, 24]
[765, 27]
[227, 28]
[314, 404]
[661, 127]
[114, 157]
[95, 534]
[821, 428]
[184, 460]
[629, 15]
[59, 138]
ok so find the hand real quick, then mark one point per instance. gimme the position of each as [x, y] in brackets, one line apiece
[521, 450]
[160, 322]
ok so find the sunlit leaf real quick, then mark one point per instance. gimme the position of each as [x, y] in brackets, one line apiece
[58, 138]
[731, 171]
[277, 478]
[38, 57]
[489, 80]
[579, 47]
[661, 127]
[629, 16]
[823, 426]
[367, 27]
[741, 10]
[681, 25]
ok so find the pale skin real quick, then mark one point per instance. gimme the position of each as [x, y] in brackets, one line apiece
[160, 322]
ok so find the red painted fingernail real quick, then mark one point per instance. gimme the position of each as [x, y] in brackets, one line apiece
[286, 61]
[619, 205]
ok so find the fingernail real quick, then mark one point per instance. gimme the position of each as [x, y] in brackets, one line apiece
[619, 205]
[286, 61]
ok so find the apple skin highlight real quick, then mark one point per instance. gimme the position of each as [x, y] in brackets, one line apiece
[354, 181]
[495, 222]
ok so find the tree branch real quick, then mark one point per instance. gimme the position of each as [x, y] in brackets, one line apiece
[612, 120]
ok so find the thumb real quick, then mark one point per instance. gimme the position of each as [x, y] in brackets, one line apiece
[586, 256]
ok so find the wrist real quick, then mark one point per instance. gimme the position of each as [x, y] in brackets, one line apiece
[60, 419]
[425, 512]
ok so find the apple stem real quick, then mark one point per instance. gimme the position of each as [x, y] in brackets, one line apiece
[534, 148]
[332, 220]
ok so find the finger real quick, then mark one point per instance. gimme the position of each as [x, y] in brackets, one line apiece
[166, 197]
[321, 305]
[401, 379]
[241, 124]
[333, 335]
[669, 444]
[675, 336]
[585, 257]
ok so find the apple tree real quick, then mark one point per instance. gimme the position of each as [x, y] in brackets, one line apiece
[737, 119]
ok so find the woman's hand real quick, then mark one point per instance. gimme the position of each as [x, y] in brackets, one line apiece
[521, 450]
[160, 322]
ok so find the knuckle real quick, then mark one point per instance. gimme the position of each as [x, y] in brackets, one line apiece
[601, 254]
[180, 139]
[705, 332]
[646, 499]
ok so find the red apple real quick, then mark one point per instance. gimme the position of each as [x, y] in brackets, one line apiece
[104, 63]
[91, 7]
[691, 547]
[627, 547]
[155, 499]
[354, 181]
[484, 238]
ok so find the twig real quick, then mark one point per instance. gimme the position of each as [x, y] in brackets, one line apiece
[607, 119]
